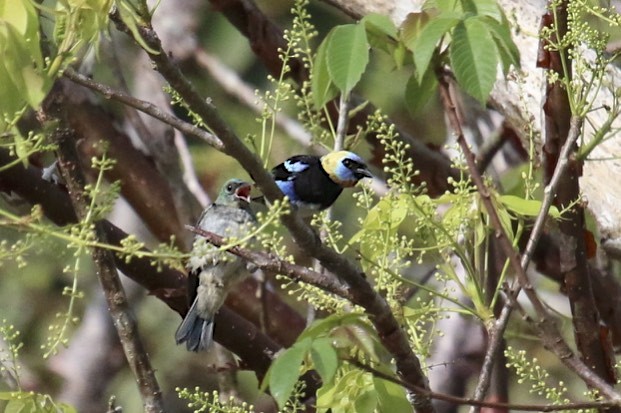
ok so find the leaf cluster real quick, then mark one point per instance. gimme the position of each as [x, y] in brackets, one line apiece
[471, 36]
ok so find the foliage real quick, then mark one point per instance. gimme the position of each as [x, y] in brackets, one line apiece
[19, 401]
[468, 31]
[210, 402]
[395, 232]
[529, 371]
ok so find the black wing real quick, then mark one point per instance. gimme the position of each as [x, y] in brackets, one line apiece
[281, 173]
[192, 285]
[314, 186]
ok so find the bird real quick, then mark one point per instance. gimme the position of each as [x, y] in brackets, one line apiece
[212, 273]
[313, 183]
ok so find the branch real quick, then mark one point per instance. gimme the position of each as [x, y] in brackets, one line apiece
[145, 107]
[118, 306]
[477, 403]
[268, 263]
[389, 330]
[232, 331]
[497, 330]
[559, 123]
[142, 184]
[235, 86]
[265, 38]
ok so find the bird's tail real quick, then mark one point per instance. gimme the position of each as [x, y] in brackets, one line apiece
[195, 331]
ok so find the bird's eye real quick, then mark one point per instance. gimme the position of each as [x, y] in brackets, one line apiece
[347, 162]
[229, 187]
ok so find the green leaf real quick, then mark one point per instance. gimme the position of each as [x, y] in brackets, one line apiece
[526, 207]
[506, 222]
[23, 81]
[413, 25]
[22, 148]
[482, 8]
[358, 335]
[366, 402]
[473, 58]
[379, 23]
[386, 215]
[338, 397]
[426, 43]
[22, 405]
[399, 54]
[11, 100]
[326, 396]
[324, 358]
[324, 326]
[390, 210]
[23, 17]
[285, 370]
[419, 93]
[132, 21]
[66, 408]
[444, 5]
[347, 55]
[321, 83]
[507, 50]
[381, 32]
[391, 397]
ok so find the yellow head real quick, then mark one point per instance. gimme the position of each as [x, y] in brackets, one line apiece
[345, 168]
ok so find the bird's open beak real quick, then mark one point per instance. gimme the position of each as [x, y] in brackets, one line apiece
[243, 192]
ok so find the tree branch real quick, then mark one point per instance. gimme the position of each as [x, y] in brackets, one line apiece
[141, 183]
[232, 331]
[265, 38]
[478, 403]
[267, 263]
[118, 306]
[145, 107]
[559, 123]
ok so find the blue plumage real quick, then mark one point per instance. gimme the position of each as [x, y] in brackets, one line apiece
[313, 183]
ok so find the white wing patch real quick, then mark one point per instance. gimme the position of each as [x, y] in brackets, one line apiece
[295, 167]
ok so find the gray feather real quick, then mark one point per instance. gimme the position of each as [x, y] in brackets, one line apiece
[213, 273]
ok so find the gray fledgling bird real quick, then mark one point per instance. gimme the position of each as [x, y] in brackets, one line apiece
[212, 273]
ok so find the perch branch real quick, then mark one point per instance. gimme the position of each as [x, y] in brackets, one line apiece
[268, 263]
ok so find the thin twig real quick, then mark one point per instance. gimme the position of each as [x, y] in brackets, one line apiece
[236, 87]
[267, 262]
[189, 173]
[342, 124]
[145, 107]
[478, 403]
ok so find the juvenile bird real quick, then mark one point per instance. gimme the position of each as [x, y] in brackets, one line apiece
[313, 183]
[212, 273]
